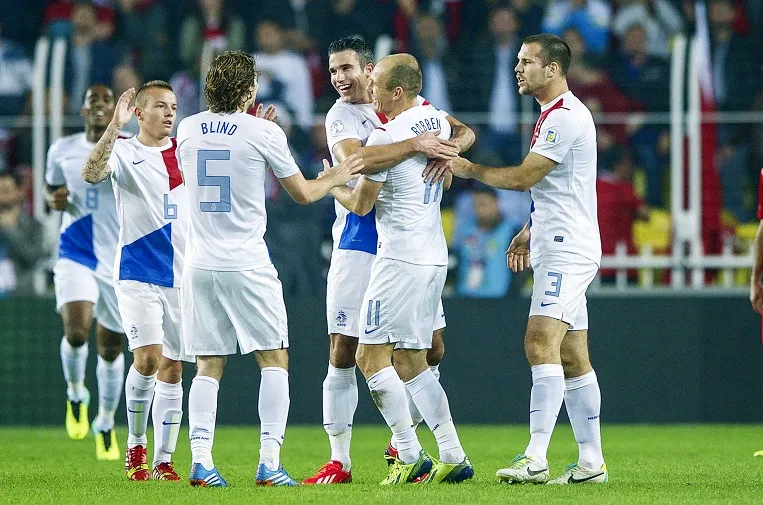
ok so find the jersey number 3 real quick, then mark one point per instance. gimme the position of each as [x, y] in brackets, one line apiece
[219, 181]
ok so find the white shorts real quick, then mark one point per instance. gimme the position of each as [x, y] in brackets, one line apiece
[347, 283]
[150, 316]
[77, 283]
[560, 281]
[222, 309]
[401, 303]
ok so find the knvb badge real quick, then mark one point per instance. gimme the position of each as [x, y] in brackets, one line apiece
[341, 319]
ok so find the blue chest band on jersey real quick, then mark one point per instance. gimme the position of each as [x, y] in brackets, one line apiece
[149, 259]
[76, 243]
[359, 233]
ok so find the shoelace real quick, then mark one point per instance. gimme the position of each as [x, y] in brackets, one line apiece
[328, 467]
[135, 456]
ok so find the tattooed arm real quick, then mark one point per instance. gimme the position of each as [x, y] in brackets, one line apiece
[96, 168]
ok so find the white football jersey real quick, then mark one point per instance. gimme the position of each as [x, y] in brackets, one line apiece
[224, 158]
[89, 226]
[563, 213]
[152, 209]
[408, 208]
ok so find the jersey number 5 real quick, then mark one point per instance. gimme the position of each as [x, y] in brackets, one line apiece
[220, 181]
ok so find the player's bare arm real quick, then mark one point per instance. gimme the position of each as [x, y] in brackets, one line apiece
[521, 178]
[518, 253]
[304, 192]
[438, 170]
[56, 196]
[96, 168]
[461, 135]
[360, 199]
[756, 280]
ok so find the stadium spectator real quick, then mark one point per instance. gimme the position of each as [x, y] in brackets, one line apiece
[590, 17]
[21, 238]
[15, 77]
[58, 19]
[211, 22]
[89, 59]
[367, 19]
[143, 32]
[660, 18]
[437, 65]
[644, 79]
[480, 243]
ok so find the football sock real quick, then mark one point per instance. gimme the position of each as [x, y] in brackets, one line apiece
[110, 375]
[436, 371]
[583, 401]
[166, 413]
[202, 414]
[388, 392]
[139, 393]
[432, 402]
[340, 400]
[273, 406]
[545, 401]
[74, 361]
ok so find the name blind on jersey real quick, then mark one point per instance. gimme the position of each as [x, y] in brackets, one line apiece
[222, 127]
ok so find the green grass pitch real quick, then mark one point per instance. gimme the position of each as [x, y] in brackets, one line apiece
[686, 464]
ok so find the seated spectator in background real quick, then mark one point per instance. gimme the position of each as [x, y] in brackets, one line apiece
[493, 88]
[480, 244]
[661, 19]
[58, 19]
[618, 204]
[145, 37]
[590, 17]
[15, 77]
[645, 80]
[437, 66]
[213, 23]
[89, 60]
[21, 238]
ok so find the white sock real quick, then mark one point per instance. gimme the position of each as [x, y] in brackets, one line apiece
[202, 416]
[273, 407]
[74, 362]
[432, 402]
[416, 416]
[139, 393]
[545, 401]
[111, 376]
[340, 400]
[388, 393]
[583, 401]
[167, 414]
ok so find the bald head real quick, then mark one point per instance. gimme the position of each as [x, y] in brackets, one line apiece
[400, 71]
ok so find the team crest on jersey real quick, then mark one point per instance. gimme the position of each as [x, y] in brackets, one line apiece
[552, 136]
[341, 319]
[133, 331]
[336, 128]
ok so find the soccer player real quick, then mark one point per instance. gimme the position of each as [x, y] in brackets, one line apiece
[348, 124]
[83, 276]
[406, 280]
[152, 211]
[560, 172]
[231, 294]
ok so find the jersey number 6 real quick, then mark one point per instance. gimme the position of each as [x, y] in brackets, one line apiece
[220, 181]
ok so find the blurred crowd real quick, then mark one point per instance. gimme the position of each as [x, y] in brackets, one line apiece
[467, 50]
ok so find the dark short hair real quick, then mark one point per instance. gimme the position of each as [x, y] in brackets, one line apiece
[365, 55]
[229, 81]
[406, 76]
[552, 49]
[139, 95]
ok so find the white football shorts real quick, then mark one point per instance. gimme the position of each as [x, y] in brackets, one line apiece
[401, 303]
[347, 283]
[77, 283]
[560, 281]
[222, 309]
[150, 316]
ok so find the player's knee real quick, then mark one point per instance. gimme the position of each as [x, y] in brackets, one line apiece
[109, 352]
[77, 335]
[538, 351]
[342, 351]
[170, 370]
[146, 362]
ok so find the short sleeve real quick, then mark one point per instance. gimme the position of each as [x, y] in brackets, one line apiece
[54, 174]
[341, 124]
[278, 155]
[557, 135]
[378, 137]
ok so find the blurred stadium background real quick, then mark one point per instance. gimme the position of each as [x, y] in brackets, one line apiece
[675, 86]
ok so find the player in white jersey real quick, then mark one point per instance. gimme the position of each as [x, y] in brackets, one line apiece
[560, 172]
[348, 124]
[83, 276]
[406, 282]
[153, 221]
[231, 293]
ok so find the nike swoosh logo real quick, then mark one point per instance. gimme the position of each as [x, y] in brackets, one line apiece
[135, 411]
[364, 121]
[536, 410]
[138, 162]
[533, 473]
[573, 480]
[367, 331]
[166, 423]
[544, 304]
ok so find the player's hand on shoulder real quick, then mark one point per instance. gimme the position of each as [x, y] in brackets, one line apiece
[432, 146]
[123, 110]
[269, 115]
[345, 171]
[518, 253]
[58, 198]
[436, 170]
